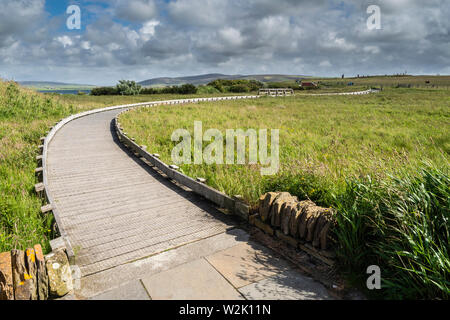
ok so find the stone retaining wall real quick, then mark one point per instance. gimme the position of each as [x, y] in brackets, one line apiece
[301, 224]
[29, 275]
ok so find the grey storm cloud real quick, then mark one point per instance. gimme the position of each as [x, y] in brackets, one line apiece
[140, 39]
[136, 10]
[19, 18]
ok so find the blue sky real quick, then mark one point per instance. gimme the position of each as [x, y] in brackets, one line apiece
[141, 39]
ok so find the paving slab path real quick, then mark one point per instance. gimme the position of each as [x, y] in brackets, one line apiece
[137, 235]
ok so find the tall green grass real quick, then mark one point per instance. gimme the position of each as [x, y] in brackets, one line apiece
[402, 225]
[24, 117]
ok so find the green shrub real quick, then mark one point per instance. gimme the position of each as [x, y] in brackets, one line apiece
[303, 185]
[288, 85]
[207, 90]
[240, 85]
[238, 88]
[104, 91]
[128, 88]
[187, 89]
[149, 91]
[183, 89]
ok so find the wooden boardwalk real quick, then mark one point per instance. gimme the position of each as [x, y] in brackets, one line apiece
[138, 235]
[113, 207]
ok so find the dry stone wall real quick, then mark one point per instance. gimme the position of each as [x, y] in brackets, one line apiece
[29, 275]
[302, 224]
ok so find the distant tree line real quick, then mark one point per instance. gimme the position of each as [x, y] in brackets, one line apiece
[127, 88]
[183, 89]
[124, 87]
[104, 91]
[236, 86]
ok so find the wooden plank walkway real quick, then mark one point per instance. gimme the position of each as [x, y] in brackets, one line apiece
[114, 208]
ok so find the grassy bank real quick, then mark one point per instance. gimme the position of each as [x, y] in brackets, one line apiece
[24, 117]
[362, 155]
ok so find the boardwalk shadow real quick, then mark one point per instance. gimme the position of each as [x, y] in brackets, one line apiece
[190, 196]
[260, 273]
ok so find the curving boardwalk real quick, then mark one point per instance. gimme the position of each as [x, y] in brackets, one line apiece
[113, 209]
[138, 235]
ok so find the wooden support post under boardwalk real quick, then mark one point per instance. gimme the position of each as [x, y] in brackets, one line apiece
[39, 188]
[39, 160]
[39, 174]
[47, 208]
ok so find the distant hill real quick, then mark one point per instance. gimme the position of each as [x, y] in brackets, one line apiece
[48, 85]
[206, 78]
[165, 81]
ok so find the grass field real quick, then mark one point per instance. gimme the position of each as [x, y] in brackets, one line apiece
[381, 160]
[429, 82]
[363, 83]
[333, 137]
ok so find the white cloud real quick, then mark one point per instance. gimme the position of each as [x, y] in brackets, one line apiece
[372, 49]
[113, 46]
[333, 41]
[148, 29]
[85, 45]
[64, 40]
[231, 36]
